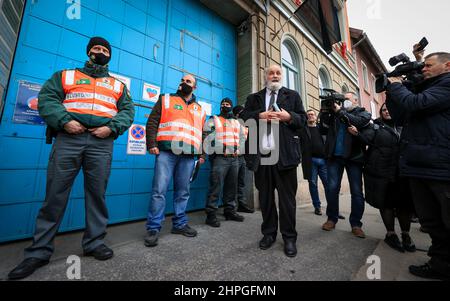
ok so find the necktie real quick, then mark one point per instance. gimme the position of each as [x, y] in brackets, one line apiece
[272, 101]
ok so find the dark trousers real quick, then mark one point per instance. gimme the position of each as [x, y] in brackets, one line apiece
[224, 177]
[335, 168]
[267, 179]
[69, 154]
[432, 202]
[242, 186]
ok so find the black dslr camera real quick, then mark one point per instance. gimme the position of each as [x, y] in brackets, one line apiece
[332, 97]
[412, 71]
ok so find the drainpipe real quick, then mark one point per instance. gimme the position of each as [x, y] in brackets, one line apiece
[266, 33]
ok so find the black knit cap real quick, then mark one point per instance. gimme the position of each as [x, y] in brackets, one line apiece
[98, 41]
[227, 100]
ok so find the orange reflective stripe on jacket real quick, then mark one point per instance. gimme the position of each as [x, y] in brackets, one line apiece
[181, 122]
[227, 131]
[91, 96]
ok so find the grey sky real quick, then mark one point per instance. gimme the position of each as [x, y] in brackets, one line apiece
[393, 26]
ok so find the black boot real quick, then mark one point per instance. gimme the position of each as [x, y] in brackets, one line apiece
[407, 243]
[426, 271]
[244, 209]
[393, 242]
[212, 221]
[102, 253]
[26, 268]
[233, 216]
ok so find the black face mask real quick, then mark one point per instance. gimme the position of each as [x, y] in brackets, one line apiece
[226, 110]
[100, 59]
[186, 89]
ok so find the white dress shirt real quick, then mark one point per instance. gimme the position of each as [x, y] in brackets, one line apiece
[268, 141]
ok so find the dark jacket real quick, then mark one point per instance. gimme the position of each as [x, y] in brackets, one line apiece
[353, 148]
[384, 188]
[290, 101]
[306, 149]
[425, 147]
[382, 155]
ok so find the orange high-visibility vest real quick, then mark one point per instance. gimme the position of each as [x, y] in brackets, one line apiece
[227, 131]
[91, 96]
[181, 122]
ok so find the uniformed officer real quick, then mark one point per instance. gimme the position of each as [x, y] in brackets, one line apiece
[86, 109]
[175, 137]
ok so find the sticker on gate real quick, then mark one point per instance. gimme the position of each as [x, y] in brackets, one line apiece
[137, 143]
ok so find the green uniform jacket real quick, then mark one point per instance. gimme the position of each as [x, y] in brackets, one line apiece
[52, 110]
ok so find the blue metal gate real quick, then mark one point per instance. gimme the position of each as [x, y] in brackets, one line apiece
[154, 41]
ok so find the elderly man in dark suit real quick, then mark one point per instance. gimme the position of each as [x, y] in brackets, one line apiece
[280, 115]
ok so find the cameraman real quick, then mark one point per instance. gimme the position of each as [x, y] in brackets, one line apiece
[425, 155]
[343, 150]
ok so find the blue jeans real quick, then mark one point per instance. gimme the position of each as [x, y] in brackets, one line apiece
[319, 169]
[335, 168]
[167, 167]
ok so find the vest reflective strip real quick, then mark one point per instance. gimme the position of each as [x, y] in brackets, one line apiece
[228, 141]
[88, 95]
[180, 125]
[89, 106]
[70, 77]
[236, 135]
[117, 86]
[179, 135]
[219, 123]
[167, 101]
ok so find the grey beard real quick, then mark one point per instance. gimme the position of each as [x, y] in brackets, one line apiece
[274, 86]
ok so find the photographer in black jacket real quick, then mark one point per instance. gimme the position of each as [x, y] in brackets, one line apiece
[425, 155]
[343, 150]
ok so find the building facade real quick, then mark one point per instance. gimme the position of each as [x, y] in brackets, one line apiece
[369, 65]
[225, 44]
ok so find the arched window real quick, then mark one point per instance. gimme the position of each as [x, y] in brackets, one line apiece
[291, 64]
[324, 80]
[344, 89]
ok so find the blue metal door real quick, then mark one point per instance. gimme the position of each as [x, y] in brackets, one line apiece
[155, 42]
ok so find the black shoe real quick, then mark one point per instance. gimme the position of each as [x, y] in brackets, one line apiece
[233, 216]
[318, 211]
[186, 231]
[393, 242]
[102, 252]
[426, 271]
[26, 268]
[245, 209]
[212, 221]
[341, 216]
[407, 243]
[290, 249]
[266, 242]
[151, 240]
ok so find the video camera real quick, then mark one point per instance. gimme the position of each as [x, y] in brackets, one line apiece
[331, 98]
[412, 71]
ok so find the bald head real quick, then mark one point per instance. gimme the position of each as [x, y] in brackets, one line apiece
[190, 80]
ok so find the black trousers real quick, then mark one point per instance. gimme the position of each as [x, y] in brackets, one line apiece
[432, 202]
[267, 179]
